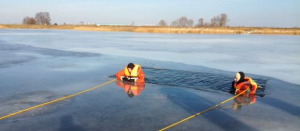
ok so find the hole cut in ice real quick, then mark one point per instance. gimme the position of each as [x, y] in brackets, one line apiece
[194, 80]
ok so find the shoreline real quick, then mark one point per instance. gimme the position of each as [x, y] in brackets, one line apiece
[167, 30]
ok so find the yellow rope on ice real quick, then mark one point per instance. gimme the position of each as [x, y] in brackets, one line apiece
[53, 101]
[192, 116]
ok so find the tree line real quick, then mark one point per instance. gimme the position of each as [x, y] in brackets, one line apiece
[41, 18]
[217, 21]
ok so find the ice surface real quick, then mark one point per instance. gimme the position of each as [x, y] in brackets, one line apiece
[185, 74]
[268, 55]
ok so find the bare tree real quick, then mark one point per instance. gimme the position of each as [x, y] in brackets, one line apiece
[215, 21]
[219, 21]
[43, 18]
[200, 23]
[162, 23]
[223, 20]
[174, 23]
[190, 23]
[29, 21]
[206, 24]
[183, 22]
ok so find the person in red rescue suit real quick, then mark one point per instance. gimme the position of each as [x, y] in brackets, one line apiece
[242, 83]
[132, 73]
[131, 88]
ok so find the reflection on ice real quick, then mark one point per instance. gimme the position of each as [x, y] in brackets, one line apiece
[243, 100]
[131, 88]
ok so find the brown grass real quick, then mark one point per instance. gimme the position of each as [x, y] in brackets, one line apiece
[156, 29]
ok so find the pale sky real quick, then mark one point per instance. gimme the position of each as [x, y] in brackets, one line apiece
[262, 13]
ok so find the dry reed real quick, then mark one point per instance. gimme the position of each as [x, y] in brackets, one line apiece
[157, 29]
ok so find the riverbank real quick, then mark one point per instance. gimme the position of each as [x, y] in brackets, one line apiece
[171, 30]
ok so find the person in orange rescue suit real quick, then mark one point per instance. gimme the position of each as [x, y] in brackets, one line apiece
[242, 83]
[132, 73]
[243, 100]
[131, 88]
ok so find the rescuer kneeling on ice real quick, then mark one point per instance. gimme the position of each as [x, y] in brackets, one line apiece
[131, 73]
[242, 83]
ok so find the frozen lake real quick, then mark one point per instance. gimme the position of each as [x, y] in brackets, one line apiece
[185, 74]
[267, 55]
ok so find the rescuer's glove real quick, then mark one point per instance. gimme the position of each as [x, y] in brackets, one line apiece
[123, 78]
[134, 79]
[250, 87]
[237, 90]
